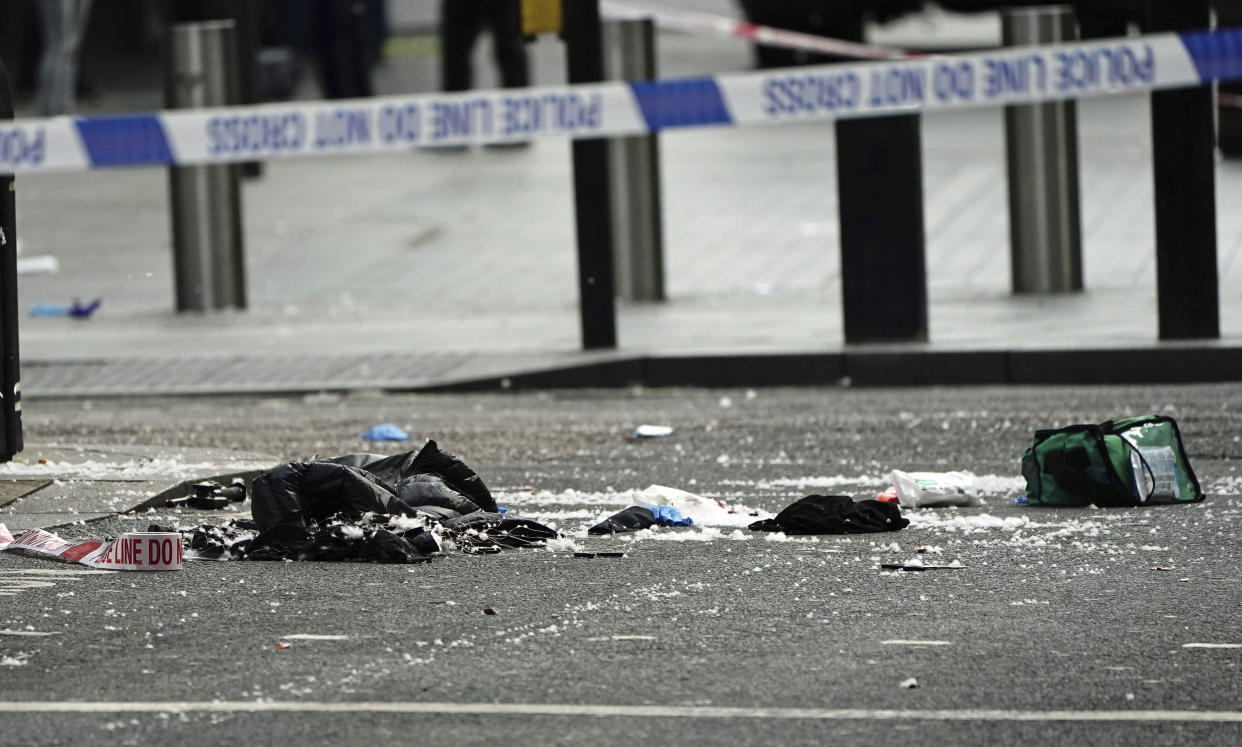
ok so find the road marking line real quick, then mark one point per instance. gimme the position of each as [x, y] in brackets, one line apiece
[1212, 645]
[625, 711]
[7, 631]
[313, 637]
[902, 642]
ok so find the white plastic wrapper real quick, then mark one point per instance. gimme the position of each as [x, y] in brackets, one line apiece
[704, 511]
[926, 489]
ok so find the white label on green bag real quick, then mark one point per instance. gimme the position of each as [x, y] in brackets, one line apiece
[1163, 465]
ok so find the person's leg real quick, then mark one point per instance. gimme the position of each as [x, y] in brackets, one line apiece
[63, 22]
[459, 28]
[508, 46]
[343, 69]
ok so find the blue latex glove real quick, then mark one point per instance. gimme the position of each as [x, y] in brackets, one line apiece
[667, 516]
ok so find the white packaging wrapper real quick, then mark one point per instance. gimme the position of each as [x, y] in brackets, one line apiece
[925, 489]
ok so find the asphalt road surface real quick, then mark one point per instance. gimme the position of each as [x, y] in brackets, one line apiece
[1066, 626]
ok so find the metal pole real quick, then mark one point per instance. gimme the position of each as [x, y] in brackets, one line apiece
[1045, 228]
[1184, 166]
[592, 185]
[639, 226]
[208, 252]
[10, 380]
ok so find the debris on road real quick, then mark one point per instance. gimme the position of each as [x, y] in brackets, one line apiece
[915, 564]
[931, 489]
[386, 432]
[833, 514]
[75, 310]
[909, 684]
[403, 508]
[210, 495]
[1128, 462]
[700, 510]
[636, 518]
[653, 431]
[38, 263]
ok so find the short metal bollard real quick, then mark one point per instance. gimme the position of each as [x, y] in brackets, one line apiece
[10, 381]
[638, 214]
[1045, 227]
[208, 251]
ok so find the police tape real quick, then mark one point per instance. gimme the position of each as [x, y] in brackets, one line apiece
[1016, 75]
[132, 551]
[694, 22]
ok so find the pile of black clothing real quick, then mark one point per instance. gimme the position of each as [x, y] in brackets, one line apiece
[834, 514]
[388, 509]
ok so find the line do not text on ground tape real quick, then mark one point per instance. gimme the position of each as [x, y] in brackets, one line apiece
[131, 551]
[1016, 75]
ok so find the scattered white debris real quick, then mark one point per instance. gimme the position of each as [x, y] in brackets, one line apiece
[653, 431]
[909, 684]
[561, 544]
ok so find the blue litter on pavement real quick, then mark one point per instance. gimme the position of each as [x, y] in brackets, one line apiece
[667, 516]
[77, 309]
[386, 432]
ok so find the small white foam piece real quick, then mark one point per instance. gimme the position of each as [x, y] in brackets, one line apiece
[38, 263]
[653, 431]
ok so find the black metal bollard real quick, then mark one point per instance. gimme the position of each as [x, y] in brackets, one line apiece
[880, 196]
[10, 380]
[1184, 166]
[1229, 124]
[592, 185]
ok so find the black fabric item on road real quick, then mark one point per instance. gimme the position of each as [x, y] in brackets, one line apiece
[420, 478]
[482, 529]
[288, 501]
[631, 519]
[834, 514]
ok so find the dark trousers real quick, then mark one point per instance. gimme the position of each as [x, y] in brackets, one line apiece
[340, 41]
[461, 22]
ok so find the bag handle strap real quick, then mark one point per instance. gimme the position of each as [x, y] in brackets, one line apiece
[1146, 467]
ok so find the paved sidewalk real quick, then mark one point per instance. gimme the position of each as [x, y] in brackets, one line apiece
[431, 269]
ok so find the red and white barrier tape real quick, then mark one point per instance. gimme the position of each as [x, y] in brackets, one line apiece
[132, 551]
[694, 22]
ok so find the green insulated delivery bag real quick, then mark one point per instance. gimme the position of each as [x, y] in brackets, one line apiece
[1128, 462]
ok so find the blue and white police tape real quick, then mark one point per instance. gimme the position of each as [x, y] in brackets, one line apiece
[1004, 76]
